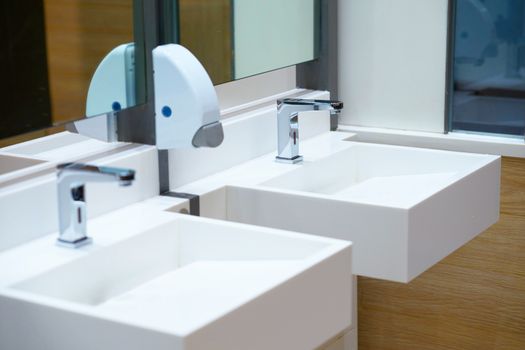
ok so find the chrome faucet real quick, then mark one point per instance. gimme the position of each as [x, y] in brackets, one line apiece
[288, 124]
[71, 197]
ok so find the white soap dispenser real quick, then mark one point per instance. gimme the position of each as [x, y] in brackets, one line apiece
[186, 105]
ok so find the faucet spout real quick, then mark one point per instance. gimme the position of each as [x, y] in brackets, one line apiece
[95, 173]
[71, 179]
[288, 124]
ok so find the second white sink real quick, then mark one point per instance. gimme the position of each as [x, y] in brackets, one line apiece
[403, 208]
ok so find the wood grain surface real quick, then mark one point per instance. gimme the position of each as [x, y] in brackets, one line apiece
[79, 34]
[206, 30]
[472, 300]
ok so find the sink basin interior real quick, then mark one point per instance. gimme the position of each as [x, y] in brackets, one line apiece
[376, 168]
[165, 255]
[260, 208]
[12, 163]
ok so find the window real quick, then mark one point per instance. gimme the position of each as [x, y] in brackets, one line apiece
[488, 60]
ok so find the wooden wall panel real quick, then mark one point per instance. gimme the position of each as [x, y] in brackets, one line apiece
[472, 300]
[79, 34]
[206, 30]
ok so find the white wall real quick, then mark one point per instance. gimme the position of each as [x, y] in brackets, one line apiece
[243, 91]
[272, 33]
[392, 63]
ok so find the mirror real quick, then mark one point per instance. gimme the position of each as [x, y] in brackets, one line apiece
[50, 52]
[235, 39]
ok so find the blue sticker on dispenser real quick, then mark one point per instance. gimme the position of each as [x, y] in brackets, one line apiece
[116, 106]
[166, 111]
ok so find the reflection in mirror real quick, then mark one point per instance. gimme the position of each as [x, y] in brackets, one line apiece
[238, 38]
[56, 51]
[112, 86]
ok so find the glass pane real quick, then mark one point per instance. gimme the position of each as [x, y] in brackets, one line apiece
[238, 38]
[489, 66]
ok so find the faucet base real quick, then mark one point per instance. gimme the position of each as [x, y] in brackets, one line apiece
[294, 160]
[76, 244]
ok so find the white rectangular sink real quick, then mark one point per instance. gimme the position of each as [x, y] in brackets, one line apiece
[403, 208]
[191, 283]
